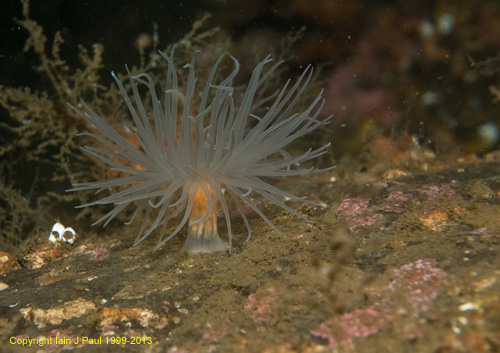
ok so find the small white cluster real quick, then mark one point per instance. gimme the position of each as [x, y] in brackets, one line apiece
[60, 233]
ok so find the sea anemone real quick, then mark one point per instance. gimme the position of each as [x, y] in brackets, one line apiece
[191, 160]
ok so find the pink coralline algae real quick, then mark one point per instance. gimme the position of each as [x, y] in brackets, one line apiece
[213, 335]
[97, 254]
[420, 281]
[432, 191]
[359, 212]
[397, 202]
[353, 206]
[340, 330]
[261, 308]
[413, 288]
[356, 213]
[484, 232]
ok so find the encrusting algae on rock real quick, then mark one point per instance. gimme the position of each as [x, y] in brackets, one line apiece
[188, 160]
